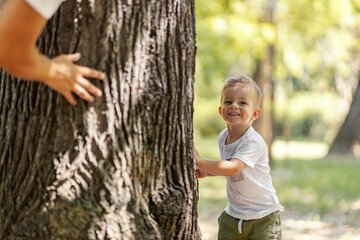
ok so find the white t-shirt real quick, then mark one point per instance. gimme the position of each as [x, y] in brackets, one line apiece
[250, 193]
[45, 8]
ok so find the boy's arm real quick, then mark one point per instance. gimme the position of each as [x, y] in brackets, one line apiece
[222, 168]
[20, 26]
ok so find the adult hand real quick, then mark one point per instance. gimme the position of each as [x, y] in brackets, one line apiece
[20, 26]
[67, 78]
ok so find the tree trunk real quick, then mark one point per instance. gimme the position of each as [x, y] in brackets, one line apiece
[118, 168]
[347, 140]
[263, 77]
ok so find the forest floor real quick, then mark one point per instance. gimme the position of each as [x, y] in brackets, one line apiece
[295, 227]
[326, 215]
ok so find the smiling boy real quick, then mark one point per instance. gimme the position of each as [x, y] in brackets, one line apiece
[253, 207]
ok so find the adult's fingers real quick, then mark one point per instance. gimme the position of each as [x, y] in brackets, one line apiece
[70, 98]
[73, 57]
[82, 93]
[84, 71]
[91, 73]
[88, 86]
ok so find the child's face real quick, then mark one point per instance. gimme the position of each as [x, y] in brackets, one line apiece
[238, 106]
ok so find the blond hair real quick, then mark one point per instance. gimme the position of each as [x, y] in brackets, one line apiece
[243, 80]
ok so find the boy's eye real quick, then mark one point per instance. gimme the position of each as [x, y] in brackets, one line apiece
[227, 102]
[243, 103]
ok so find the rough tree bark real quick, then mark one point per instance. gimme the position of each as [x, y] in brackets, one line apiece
[347, 141]
[120, 167]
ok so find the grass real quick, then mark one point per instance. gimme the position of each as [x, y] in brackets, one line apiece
[320, 186]
[305, 184]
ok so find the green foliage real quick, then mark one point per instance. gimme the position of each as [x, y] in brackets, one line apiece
[229, 41]
[207, 120]
[311, 115]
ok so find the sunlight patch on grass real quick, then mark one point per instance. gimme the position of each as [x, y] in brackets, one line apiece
[355, 206]
[298, 150]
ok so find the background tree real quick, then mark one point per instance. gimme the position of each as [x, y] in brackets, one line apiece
[347, 141]
[315, 65]
[120, 167]
[264, 78]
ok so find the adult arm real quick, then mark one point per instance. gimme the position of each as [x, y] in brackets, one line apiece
[220, 168]
[20, 26]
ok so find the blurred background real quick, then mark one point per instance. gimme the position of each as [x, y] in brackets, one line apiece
[305, 56]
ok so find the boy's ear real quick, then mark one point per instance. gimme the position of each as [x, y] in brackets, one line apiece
[256, 114]
[220, 110]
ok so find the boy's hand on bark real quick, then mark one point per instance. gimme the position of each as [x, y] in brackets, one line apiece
[200, 173]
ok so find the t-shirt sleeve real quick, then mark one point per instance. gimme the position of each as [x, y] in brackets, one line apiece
[222, 135]
[249, 152]
[45, 8]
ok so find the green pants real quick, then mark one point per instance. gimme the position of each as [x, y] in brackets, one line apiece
[266, 228]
